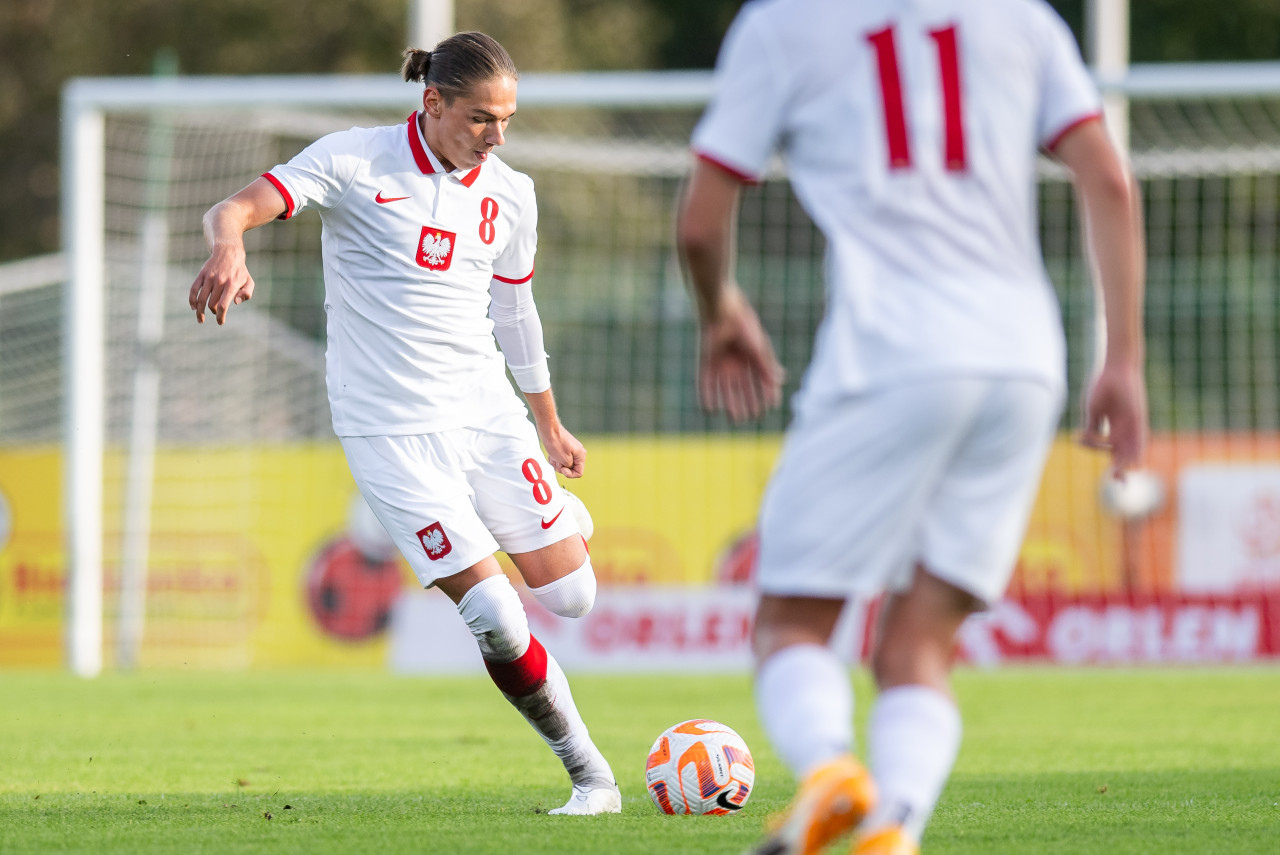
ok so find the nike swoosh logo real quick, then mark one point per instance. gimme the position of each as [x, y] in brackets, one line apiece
[547, 525]
[382, 200]
[723, 801]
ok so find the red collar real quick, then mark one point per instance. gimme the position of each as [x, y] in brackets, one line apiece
[423, 158]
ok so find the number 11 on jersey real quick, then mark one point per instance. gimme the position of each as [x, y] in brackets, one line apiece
[884, 42]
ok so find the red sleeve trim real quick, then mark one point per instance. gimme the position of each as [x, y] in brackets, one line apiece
[737, 174]
[289, 207]
[415, 145]
[514, 281]
[1057, 138]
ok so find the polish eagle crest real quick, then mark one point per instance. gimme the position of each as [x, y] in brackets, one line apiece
[435, 248]
[435, 542]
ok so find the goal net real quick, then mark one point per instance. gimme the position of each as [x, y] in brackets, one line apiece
[197, 510]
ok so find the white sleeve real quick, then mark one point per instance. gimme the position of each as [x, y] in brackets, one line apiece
[320, 174]
[1068, 94]
[518, 329]
[743, 123]
[515, 262]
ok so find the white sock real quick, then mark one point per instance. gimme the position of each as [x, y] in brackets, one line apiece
[805, 702]
[912, 741]
[495, 616]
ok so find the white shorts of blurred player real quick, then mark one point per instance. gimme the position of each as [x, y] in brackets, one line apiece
[450, 499]
[941, 473]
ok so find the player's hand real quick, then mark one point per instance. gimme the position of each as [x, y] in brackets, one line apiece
[222, 282]
[738, 371]
[1116, 415]
[565, 454]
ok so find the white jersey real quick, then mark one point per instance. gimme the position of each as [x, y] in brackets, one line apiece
[410, 251]
[910, 130]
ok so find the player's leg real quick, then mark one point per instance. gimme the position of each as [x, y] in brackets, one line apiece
[802, 688]
[913, 734]
[835, 521]
[560, 576]
[536, 524]
[968, 545]
[531, 680]
[448, 546]
[552, 710]
[535, 520]
[805, 702]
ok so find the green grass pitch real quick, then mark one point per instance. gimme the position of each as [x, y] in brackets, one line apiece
[1061, 761]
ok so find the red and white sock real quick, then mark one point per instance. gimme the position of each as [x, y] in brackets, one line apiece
[535, 685]
[531, 679]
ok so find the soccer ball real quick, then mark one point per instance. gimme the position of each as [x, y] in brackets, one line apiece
[700, 767]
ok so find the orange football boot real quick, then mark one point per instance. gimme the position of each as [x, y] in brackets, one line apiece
[890, 840]
[830, 803]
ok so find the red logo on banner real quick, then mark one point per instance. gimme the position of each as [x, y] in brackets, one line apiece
[435, 541]
[1138, 628]
[435, 248]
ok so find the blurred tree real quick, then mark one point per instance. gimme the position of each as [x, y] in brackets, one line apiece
[570, 35]
[43, 43]
[1182, 31]
[1192, 30]
[693, 30]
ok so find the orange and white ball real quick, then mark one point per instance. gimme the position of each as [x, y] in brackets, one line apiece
[700, 767]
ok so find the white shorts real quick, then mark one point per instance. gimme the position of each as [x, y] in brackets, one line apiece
[452, 498]
[941, 473]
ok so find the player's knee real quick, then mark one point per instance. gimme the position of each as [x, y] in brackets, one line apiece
[569, 596]
[925, 664]
[495, 616]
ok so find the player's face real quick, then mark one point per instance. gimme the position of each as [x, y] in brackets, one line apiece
[463, 133]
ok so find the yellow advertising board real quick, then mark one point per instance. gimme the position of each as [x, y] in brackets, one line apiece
[251, 562]
[32, 558]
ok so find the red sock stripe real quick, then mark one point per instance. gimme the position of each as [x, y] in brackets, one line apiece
[524, 676]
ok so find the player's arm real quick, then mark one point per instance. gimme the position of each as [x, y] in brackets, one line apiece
[1116, 410]
[737, 367]
[224, 279]
[518, 330]
[564, 452]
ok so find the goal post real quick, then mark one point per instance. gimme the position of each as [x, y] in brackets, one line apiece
[82, 241]
[608, 151]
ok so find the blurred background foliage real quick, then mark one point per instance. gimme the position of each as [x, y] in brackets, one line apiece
[43, 43]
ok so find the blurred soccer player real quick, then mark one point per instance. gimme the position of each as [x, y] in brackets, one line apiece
[428, 251]
[910, 130]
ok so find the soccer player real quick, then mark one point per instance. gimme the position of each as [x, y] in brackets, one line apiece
[910, 130]
[428, 249]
